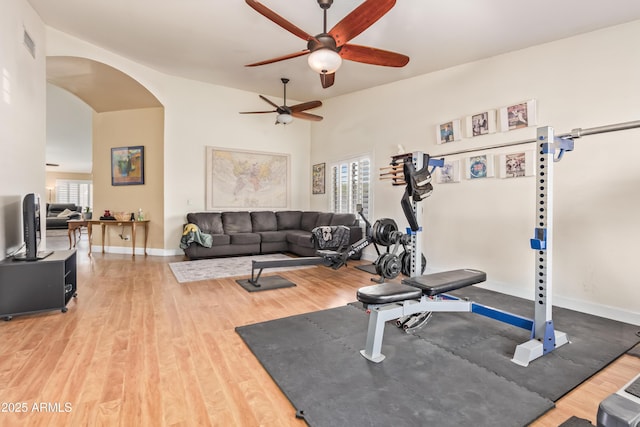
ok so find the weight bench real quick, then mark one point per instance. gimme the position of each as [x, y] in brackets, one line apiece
[389, 301]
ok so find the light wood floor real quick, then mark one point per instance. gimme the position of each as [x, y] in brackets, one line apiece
[138, 349]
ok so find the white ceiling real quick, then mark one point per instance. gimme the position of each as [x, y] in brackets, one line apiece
[212, 40]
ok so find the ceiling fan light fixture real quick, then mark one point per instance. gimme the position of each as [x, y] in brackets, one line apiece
[284, 118]
[324, 61]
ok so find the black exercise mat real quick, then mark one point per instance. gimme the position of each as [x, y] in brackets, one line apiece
[369, 268]
[266, 283]
[459, 373]
[635, 351]
[576, 422]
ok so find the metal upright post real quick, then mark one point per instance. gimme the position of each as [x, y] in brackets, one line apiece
[417, 158]
[545, 339]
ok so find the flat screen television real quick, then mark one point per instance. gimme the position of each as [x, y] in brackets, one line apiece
[31, 229]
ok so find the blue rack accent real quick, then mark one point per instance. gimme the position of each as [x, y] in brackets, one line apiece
[540, 241]
[504, 317]
[549, 343]
[435, 163]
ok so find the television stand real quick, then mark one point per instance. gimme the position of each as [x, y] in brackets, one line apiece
[39, 255]
[36, 286]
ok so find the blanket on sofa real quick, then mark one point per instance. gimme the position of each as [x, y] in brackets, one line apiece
[191, 233]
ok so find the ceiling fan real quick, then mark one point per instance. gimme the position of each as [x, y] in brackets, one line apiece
[287, 113]
[327, 49]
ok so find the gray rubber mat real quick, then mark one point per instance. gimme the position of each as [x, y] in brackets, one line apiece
[455, 371]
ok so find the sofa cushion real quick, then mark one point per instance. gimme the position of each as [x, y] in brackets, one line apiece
[236, 222]
[289, 220]
[324, 218]
[220, 239]
[300, 238]
[273, 236]
[207, 222]
[309, 220]
[264, 221]
[343, 219]
[244, 238]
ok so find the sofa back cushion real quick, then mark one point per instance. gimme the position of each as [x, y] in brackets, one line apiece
[347, 219]
[309, 220]
[324, 218]
[264, 221]
[207, 222]
[53, 209]
[236, 222]
[289, 220]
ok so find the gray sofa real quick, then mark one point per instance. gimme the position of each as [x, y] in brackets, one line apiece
[59, 222]
[260, 232]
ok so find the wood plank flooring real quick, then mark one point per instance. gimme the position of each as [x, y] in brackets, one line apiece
[138, 349]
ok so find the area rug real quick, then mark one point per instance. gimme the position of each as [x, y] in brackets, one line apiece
[218, 268]
[456, 371]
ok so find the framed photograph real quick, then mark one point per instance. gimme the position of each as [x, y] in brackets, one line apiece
[480, 166]
[127, 165]
[317, 178]
[246, 179]
[448, 132]
[480, 124]
[518, 116]
[449, 172]
[514, 165]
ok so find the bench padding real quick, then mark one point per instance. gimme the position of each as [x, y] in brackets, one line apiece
[437, 283]
[386, 293]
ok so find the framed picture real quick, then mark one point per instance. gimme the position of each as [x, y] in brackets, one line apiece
[480, 124]
[317, 178]
[127, 165]
[518, 116]
[448, 132]
[246, 179]
[480, 166]
[449, 172]
[514, 165]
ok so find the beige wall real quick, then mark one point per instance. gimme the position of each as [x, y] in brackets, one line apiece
[123, 129]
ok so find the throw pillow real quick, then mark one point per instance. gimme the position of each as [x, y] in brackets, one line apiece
[65, 213]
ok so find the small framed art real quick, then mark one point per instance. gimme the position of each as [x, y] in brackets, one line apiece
[449, 172]
[127, 165]
[448, 132]
[480, 166]
[518, 116]
[481, 123]
[317, 178]
[514, 165]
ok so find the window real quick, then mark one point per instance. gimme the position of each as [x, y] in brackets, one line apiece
[74, 191]
[350, 185]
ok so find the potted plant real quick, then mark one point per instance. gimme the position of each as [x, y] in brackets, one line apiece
[87, 213]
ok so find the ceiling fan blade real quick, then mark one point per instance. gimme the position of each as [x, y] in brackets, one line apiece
[305, 106]
[360, 19]
[280, 58]
[327, 80]
[268, 101]
[306, 116]
[371, 55]
[271, 15]
[257, 112]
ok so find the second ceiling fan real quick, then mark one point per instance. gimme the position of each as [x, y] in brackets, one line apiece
[287, 113]
[327, 49]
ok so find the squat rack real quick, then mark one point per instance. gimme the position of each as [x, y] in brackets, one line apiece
[550, 150]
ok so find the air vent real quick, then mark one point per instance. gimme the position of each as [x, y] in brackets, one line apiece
[29, 44]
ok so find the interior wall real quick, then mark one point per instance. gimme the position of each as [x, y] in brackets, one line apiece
[585, 81]
[22, 116]
[145, 127]
[198, 115]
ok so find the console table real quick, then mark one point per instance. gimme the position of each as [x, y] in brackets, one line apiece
[75, 225]
[33, 286]
[133, 224]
